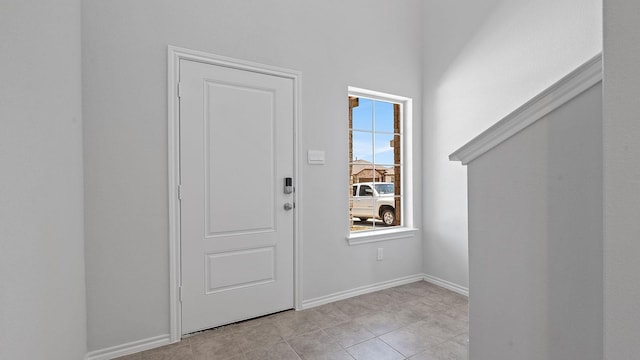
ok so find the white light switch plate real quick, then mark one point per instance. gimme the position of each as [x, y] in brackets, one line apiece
[315, 157]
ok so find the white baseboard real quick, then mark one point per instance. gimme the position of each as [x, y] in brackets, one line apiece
[341, 295]
[446, 284]
[129, 348]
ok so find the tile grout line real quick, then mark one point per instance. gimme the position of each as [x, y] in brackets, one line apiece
[399, 352]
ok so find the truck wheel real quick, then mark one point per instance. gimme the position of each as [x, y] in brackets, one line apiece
[388, 217]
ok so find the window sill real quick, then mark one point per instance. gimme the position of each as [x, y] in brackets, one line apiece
[365, 237]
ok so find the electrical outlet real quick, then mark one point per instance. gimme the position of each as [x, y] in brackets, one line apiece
[380, 254]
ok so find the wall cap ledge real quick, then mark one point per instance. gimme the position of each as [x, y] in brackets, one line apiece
[570, 86]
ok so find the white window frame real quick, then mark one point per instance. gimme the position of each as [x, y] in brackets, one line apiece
[406, 229]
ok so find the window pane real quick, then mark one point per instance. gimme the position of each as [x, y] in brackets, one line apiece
[387, 203]
[384, 174]
[363, 115]
[384, 149]
[384, 188]
[383, 116]
[397, 145]
[362, 146]
[363, 201]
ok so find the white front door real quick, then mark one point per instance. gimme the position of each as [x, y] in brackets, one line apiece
[236, 149]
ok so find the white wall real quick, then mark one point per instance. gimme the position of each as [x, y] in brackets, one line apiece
[535, 239]
[621, 178]
[42, 291]
[483, 60]
[368, 44]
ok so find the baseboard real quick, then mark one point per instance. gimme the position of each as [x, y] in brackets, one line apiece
[446, 284]
[129, 348]
[341, 295]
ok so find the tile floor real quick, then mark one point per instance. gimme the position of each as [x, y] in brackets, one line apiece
[418, 321]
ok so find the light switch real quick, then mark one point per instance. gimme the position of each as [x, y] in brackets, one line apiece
[315, 157]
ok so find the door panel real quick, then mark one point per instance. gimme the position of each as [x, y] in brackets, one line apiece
[236, 147]
[227, 270]
[239, 123]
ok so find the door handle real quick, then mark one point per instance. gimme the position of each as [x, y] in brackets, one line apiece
[289, 206]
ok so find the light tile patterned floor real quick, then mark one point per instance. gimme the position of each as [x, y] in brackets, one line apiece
[417, 321]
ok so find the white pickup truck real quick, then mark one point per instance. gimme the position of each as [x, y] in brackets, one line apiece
[374, 200]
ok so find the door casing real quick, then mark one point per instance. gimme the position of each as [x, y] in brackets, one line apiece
[174, 55]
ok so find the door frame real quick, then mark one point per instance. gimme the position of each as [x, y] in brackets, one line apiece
[174, 55]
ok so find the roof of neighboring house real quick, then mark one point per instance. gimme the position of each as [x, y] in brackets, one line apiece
[360, 165]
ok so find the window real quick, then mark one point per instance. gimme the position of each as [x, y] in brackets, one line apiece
[376, 154]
